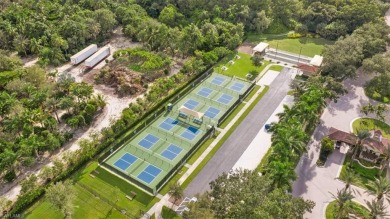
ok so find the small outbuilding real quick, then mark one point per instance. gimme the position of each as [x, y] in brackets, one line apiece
[260, 48]
[316, 61]
[308, 70]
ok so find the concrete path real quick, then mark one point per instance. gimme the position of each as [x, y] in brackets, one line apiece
[259, 146]
[268, 78]
[238, 142]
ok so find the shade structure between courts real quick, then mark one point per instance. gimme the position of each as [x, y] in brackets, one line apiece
[157, 150]
[197, 115]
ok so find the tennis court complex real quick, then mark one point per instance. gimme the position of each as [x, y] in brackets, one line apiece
[151, 157]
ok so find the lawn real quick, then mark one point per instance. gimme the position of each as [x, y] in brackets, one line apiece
[371, 124]
[173, 180]
[276, 68]
[363, 175]
[310, 46]
[356, 209]
[168, 213]
[95, 196]
[85, 206]
[264, 161]
[241, 66]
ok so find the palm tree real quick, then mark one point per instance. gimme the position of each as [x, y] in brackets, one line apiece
[385, 158]
[343, 199]
[176, 191]
[349, 178]
[282, 173]
[361, 135]
[380, 187]
[287, 113]
[291, 138]
[377, 209]
[100, 101]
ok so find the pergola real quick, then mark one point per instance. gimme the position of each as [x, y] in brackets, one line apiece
[260, 48]
[193, 113]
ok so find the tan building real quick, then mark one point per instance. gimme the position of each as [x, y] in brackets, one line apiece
[372, 148]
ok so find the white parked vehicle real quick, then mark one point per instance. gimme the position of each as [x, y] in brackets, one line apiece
[83, 54]
[97, 57]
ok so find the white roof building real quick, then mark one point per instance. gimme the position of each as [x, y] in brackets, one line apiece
[260, 47]
[316, 61]
[195, 114]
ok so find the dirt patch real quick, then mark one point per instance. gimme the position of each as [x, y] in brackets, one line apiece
[245, 48]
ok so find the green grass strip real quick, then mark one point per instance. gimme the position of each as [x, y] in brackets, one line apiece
[276, 68]
[223, 139]
[264, 161]
[173, 180]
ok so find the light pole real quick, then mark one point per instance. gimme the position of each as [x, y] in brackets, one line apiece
[299, 57]
[276, 52]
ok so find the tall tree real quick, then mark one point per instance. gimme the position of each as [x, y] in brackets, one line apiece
[176, 192]
[377, 209]
[349, 178]
[380, 187]
[361, 136]
[343, 199]
[246, 194]
[61, 196]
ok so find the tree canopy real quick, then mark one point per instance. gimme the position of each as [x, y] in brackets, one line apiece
[246, 194]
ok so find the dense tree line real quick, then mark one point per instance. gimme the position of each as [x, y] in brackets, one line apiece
[330, 18]
[37, 113]
[342, 59]
[246, 194]
[54, 30]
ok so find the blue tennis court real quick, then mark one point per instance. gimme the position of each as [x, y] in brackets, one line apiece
[237, 86]
[125, 161]
[168, 124]
[218, 80]
[149, 173]
[171, 152]
[211, 112]
[191, 104]
[205, 92]
[190, 133]
[148, 141]
[225, 99]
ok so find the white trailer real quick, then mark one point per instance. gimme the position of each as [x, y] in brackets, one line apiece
[97, 57]
[83, 54]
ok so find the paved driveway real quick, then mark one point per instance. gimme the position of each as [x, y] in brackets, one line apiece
[316, 183]
[237, 143]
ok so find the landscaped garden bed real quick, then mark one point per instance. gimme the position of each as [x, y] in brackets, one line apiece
[363, 175]
[355, 209]
[371, 124]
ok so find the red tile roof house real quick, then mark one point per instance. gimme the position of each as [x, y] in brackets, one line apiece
[372, 148]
